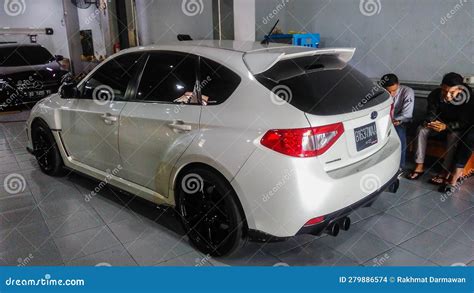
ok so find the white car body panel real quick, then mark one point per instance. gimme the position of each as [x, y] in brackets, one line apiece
[146, 128]
[85, 121]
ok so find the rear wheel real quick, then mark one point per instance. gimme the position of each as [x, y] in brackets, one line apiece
[210, 213]
[46, 150]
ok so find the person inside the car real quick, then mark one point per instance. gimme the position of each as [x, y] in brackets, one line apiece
[191, 98]
[448, 112]
[403, 106]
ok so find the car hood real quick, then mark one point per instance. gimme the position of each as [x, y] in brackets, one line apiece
[52, 66]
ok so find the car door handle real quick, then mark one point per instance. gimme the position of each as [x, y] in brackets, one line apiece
[180, 125]
[109, 119]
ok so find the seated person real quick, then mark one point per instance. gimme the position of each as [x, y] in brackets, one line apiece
[403, 105]
[447, 112]
[461, 157]
[191, 98]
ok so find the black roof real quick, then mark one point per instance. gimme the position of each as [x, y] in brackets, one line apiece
[16, 45]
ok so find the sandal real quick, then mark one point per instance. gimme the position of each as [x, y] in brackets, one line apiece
[433, 180]
[415, 175]
[448, 189]
[438, 180]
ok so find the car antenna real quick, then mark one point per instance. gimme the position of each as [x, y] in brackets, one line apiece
[266, 39]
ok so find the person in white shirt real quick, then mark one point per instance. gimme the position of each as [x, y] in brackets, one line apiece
[403, 106]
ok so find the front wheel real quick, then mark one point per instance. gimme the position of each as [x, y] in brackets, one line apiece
[46, 150]
[210, 212]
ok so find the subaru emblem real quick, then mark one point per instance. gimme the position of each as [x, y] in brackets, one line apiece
[374, 115]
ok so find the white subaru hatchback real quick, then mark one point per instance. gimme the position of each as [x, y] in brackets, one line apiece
[246, 141]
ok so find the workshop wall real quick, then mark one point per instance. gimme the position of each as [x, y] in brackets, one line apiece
[160, 21]
[419, 40]
[38, 14]
[90, 19]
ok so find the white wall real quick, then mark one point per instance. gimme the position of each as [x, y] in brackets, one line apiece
[408, 37]
[38, 14]
[244, 20]
[267, 12]
[162, 20]
[90, 19]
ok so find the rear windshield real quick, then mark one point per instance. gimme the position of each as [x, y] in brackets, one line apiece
[322, 85]
[24, 56]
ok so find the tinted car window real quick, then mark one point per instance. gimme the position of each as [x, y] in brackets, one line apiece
[24, 56]
[217, 82]
[322, 85]
[115, 75]
[167, 77]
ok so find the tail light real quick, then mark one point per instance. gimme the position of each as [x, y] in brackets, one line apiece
[303, 142]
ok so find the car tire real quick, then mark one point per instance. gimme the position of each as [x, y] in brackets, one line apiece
[46, 150]
[210, 213]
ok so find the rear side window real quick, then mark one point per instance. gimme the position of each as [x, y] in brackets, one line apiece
[24, 56]
[167, 77]
[115, 75]
[322, 85]
[217, 82]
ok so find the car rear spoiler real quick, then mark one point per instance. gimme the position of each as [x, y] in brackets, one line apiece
[261, 60]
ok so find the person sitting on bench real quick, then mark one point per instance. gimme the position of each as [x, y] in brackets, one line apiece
[463, 153]
[403, 105]
[448, 111]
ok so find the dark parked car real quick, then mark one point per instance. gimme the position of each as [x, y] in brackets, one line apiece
[28, 73]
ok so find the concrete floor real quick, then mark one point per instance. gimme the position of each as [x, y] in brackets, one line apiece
[46, 221]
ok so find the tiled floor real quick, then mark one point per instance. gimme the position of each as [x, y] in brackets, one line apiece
[46, 221]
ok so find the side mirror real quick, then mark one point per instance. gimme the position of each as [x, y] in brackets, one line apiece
[58, 57]
[69, 90]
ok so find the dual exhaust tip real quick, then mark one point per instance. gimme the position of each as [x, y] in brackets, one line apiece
[334, 228]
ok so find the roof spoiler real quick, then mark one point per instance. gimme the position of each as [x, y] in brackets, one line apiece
[260, 61]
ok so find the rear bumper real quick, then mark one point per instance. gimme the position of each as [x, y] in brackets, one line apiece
[336, 216]
[318, 229]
